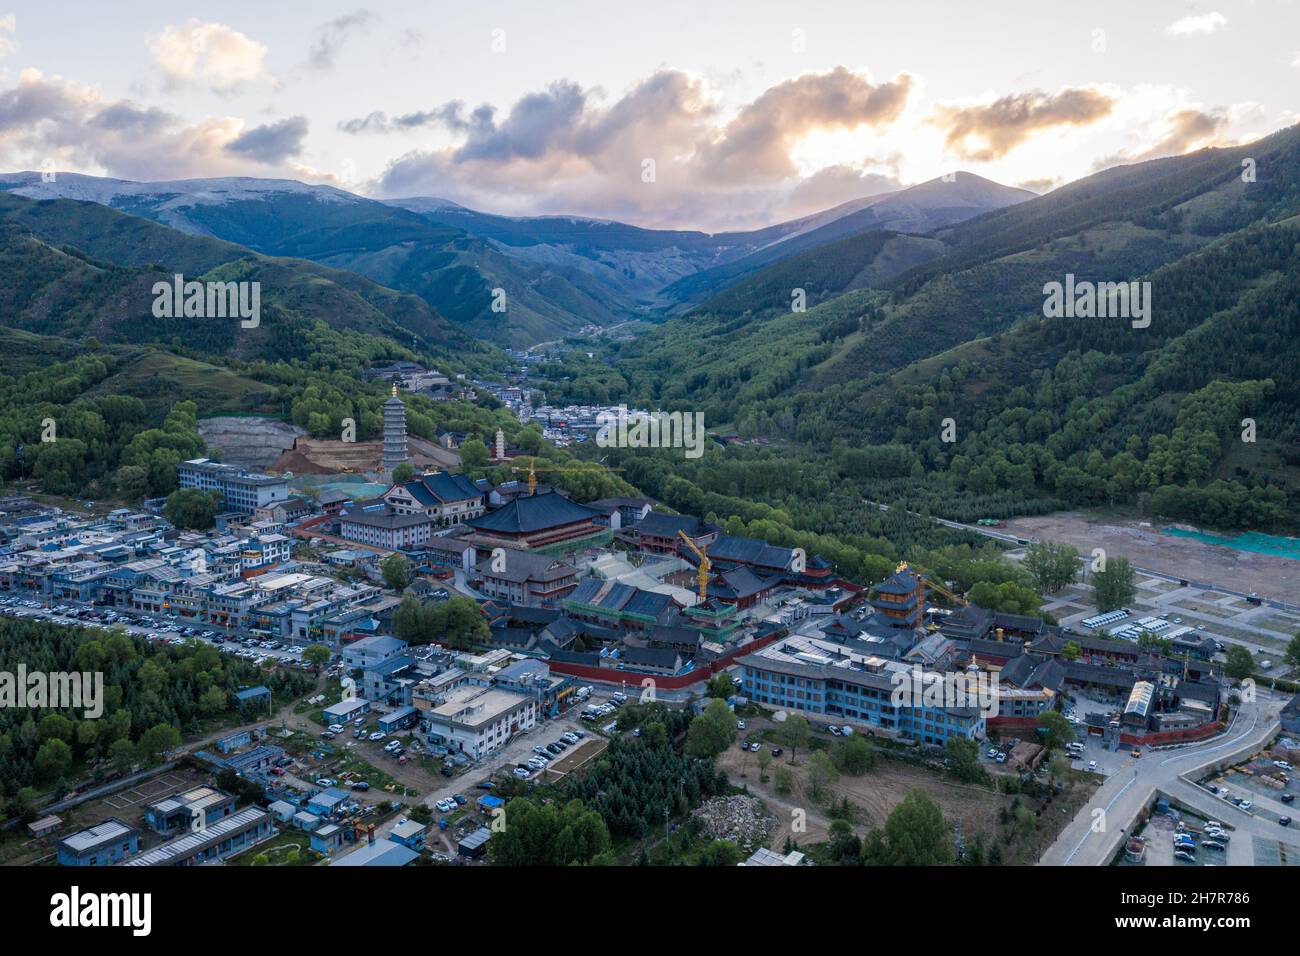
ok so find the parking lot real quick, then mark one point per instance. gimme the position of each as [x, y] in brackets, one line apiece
[151, 627]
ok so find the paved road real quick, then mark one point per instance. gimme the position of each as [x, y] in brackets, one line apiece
[1127, 791]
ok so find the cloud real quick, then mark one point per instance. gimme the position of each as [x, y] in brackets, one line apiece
[49, 120]
[209, 53]
[8, 27]
[566, 148]
[273, 142]
[989, 131]
[834, 185]
[1188, 129]
[1197, 23]
[758, 142]
[1040, 186]
[332, 37]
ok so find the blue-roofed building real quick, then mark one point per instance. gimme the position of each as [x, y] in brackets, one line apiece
[182, 812]
[409, 833]
[253, 696]
[327, 801]
[328, 838]
[399, 719]
[390, 681]
[104, 844]
[370, 651]
[228, 836]
[380, 853]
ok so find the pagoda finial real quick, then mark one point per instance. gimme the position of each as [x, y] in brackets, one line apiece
[394, 390]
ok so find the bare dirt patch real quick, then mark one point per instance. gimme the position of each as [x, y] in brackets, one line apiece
[1269, 575]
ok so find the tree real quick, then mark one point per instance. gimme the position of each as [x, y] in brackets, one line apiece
[156, 741]
[121, 754]
[1054, 730]
[764, 760]
[855, 756]
[1071, 651]
[1113, 586]
[317, 655]
[396, 569]
[473, 454]
[403, 472]
[132, 483]
[548, 835]
[721, 685]
[1293, 651]
[53, 759]
[720, 853]
[783, 780]
[712, 731]
[844, 845]
[192, 508]
[821, 772]
[963, 759]
[915, 834]
[795, 733]
[213, 700]
[1051, 566]
[1239, 662]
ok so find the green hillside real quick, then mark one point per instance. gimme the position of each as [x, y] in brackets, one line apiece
[1046, 412]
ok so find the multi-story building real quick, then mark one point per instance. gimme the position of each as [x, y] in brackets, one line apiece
[525, 578]
[241, 490]
[377, 525]
[825, 679]
[444, 498]
[476, 721]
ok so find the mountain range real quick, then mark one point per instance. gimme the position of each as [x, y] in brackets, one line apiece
[559, 274]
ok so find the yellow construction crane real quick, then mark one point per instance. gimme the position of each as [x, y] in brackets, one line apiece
[532, 471]
[705, 566]
[927, 581]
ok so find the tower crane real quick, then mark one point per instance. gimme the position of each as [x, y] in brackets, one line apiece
[927, 581]
[532, 471]
[705, 566]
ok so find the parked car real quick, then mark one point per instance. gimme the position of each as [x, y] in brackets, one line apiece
[1284, 821]
[1092, 766]
[520, 772]
[777, 751]
[360, 785]
[460, 798]
[740, 725]
[1185, 856]
[1287, 797]
[378, 735]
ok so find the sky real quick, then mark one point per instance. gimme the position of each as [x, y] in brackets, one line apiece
[666, 114]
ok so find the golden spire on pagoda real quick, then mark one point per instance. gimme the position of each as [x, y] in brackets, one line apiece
[394, 390]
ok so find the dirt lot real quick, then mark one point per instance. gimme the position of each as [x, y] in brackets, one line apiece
[1188, 558]
[876, 793]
